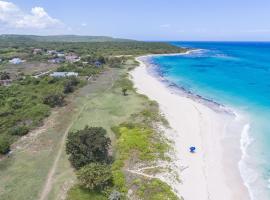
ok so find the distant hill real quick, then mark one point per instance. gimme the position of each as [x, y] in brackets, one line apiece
[60, 38]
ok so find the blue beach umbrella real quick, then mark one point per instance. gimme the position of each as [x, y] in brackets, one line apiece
[192, 149]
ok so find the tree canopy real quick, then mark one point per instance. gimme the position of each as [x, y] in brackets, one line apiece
[95, 176]
[88, 145]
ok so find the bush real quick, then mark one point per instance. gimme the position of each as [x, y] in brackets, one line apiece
[95, 176]
[70, 84]
[68, 88]
[54, 100]
[20, 130]
[88, 145]
[4, 76]
[4, 144]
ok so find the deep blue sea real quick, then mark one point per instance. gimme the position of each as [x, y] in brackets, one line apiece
[237, 75]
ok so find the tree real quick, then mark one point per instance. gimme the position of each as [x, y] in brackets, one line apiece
[88, 145]
[95, 176]
[124, 91]
[54, 100]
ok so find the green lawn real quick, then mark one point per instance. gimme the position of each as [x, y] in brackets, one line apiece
[77, 193]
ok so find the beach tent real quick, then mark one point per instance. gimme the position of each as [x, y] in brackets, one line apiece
[192, 149]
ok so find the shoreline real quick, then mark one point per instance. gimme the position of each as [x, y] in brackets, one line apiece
[213, 170]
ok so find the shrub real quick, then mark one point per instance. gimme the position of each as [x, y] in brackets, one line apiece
[95, 176]
[4, 144]
[4, 76]
[20, 130]
[68, 88]
[54, 100]
[88, 145]
[70, 84]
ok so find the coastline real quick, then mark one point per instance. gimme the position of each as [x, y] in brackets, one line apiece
[212, 172]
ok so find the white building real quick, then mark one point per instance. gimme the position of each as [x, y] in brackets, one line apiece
[63, 74]
[15, 61]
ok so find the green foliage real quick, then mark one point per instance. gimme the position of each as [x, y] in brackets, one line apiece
[87, 146]
[27, 102]
[95, 176]
[119, 180]
[155, 189]
[4, 144]
[20, 130]
[124, 83]
[54, 100]
[139, 140]
[70, 85]
[4, 76]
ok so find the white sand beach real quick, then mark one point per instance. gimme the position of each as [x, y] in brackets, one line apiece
[212, 172]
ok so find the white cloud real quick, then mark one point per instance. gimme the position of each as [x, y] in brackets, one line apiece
[12, 16]
[83, 24]
[165, 26]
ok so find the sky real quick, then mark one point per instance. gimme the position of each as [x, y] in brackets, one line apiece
[151, 20]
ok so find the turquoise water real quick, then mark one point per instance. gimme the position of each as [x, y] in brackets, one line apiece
[238, 76]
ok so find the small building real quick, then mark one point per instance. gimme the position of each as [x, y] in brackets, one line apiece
[63, 74]
[15, 61]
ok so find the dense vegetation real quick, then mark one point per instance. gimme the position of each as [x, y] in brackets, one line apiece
[25, 103]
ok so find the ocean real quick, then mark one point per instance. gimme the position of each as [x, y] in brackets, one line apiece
[236, 75]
